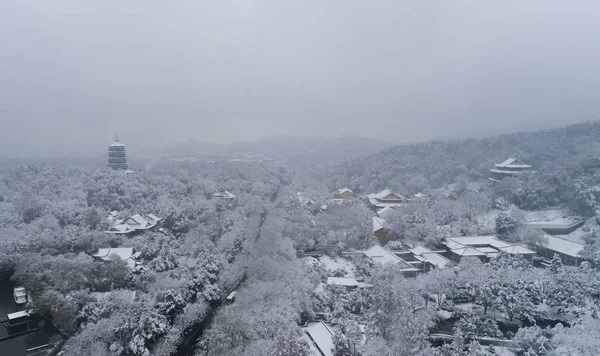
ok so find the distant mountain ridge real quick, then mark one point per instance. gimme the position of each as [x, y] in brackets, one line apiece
[436, 163]
[342, 148]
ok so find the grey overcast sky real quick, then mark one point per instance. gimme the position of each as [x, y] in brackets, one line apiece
[160, 72]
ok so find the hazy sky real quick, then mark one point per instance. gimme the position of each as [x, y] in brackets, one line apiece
[160, 72]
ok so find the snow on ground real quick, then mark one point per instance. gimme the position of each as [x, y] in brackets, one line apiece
[552, 313]
[333, 264]
[487, 221]
[547, 217]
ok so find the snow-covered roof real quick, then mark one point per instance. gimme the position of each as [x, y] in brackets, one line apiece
[116, 144]
[224, 194]
[556, 217]
[380, 204]
[384, 212]
[379, 254]
[516, 249]
[377, 223]
[487, 245]
[344, 190]
[563, 246]
[19, 314]
[125, 253]
[420, 195]
[342, 281]
[120, 229]
[388, 194]
[512, 162]
[136, 221]
[322, 337]
[502, 171]
[557, 222]
[431, 257]
[469, 251]
[133, 223]
[153, 217]
[386, 198]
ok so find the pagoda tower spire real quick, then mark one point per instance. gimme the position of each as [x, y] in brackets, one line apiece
[117, 156]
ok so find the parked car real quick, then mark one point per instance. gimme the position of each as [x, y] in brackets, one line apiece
[20, 295]
[231, 297]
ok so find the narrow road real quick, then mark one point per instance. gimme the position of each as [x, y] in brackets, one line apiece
[188, 346]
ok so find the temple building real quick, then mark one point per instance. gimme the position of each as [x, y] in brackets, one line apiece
[509, 168]
[345, 193]
[117, 157]
[386, 198]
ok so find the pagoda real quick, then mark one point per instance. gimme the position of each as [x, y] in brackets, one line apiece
[509, 168]
[117, 158]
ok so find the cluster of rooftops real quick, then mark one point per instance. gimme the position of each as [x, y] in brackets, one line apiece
[414, 260]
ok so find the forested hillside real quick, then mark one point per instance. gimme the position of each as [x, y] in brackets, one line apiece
[566, 161]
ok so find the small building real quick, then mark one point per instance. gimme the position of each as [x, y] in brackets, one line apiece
[127, 254]
[345, 193]
[308, 203]
[420, 196]
[321, 336]
[509, 168]
[386, 198]
[379, 254]
[348, 282]
[379, 230]
[567, 250]
[430, 259]
[134, 223]
[484, 248]
[305, 202]
[227, 195]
